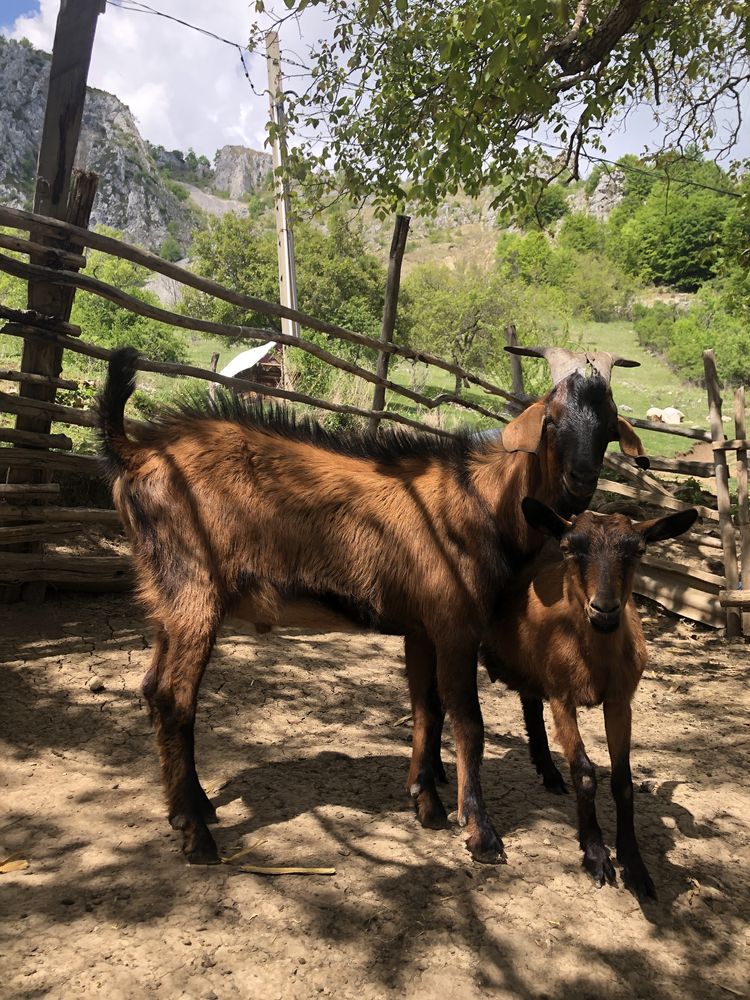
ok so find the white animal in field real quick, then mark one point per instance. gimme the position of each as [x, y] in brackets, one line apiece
[671, 415]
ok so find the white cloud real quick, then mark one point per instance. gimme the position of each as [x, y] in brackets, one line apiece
[184, 89]
[189, 90]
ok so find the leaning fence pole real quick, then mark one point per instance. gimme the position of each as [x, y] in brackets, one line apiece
[390, 307]
[284, 231]
[726, 527]
[55, 196]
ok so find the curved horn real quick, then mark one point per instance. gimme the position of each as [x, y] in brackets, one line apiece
[602, 363]
[561, 361]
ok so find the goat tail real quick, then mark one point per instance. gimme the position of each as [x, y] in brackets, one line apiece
[118, 389]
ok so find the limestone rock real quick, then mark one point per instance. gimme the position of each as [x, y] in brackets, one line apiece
[239, 171]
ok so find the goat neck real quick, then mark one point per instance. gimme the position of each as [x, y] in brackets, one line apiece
[502, 479]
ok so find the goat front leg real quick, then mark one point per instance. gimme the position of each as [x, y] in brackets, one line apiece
[171, 689]
[427, 713]
[596, 858]
[617, 721]
[541, 758]
[457, 686]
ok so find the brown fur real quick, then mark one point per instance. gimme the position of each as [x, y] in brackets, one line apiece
[546, 641]
[236, 509]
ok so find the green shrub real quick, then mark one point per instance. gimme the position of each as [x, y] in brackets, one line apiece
[653, 326]
[170, 249]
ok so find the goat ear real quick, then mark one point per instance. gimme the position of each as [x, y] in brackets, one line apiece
[630, 443]
[525, 432]
[669, 526]
[542, 518]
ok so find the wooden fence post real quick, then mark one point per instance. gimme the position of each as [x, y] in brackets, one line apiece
[58, 197]
[743, 508]
[392, 287]
[516, 372]
[726, 527]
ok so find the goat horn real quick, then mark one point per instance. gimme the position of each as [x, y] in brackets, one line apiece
[602, 363]
[561, 361]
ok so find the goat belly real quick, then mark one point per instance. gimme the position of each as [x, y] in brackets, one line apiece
[315, 613]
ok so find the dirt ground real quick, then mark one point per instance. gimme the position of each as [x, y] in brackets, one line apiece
[299, 743]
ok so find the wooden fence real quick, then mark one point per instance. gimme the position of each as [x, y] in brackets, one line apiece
[32, 522]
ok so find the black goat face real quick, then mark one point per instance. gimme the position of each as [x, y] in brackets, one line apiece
[581, 420]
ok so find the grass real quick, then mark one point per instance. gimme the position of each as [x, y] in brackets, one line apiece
[653, 384]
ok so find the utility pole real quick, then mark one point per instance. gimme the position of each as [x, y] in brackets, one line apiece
[284, 234]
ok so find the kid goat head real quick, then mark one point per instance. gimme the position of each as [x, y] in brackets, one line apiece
[601, 554]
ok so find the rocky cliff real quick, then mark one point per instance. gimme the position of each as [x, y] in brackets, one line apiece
[132, 195]
[239, 171]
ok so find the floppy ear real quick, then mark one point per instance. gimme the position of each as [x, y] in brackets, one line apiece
[670, 526]
[630, 443]
[525, 432]
[542, 518]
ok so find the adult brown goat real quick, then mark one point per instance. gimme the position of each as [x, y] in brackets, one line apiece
[573, 636]
[229, 506]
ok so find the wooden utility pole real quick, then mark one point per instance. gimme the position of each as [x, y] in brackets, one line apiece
[392, 287]
[56, 197]
[284, 234]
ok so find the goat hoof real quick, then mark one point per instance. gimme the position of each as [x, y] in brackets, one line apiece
[635, 877]
[199, 847]
[430, 810]
[201, 856]
[555, 783]
[487, 849]
[598, 864]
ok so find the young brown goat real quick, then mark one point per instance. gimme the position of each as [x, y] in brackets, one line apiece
[230, 507]
[573, 636]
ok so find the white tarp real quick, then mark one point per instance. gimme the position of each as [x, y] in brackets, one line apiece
[247, 359]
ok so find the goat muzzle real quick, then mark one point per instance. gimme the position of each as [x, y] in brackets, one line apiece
[604, 618]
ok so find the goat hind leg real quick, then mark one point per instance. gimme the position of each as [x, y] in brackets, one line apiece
[149, 687]
[541, 758]
[173, 697]
[427, 715]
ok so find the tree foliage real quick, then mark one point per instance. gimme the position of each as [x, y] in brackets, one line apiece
[673, 236]
[337, 279]
[411, 100]
[102, 322]
[462, 314]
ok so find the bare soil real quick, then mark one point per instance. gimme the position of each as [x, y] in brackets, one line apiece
[299, 743]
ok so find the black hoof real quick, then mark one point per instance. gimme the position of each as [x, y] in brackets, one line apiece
[635, 877]
[198, 845]
[203, 855]
[428, 807]
[598, 864]
[486, 848]
[554, 782]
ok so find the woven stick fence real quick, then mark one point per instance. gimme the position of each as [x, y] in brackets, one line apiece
[28, 514]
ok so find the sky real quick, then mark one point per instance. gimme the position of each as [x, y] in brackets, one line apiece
[187, 90]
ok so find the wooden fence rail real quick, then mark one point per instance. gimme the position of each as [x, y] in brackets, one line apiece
[28, 516]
